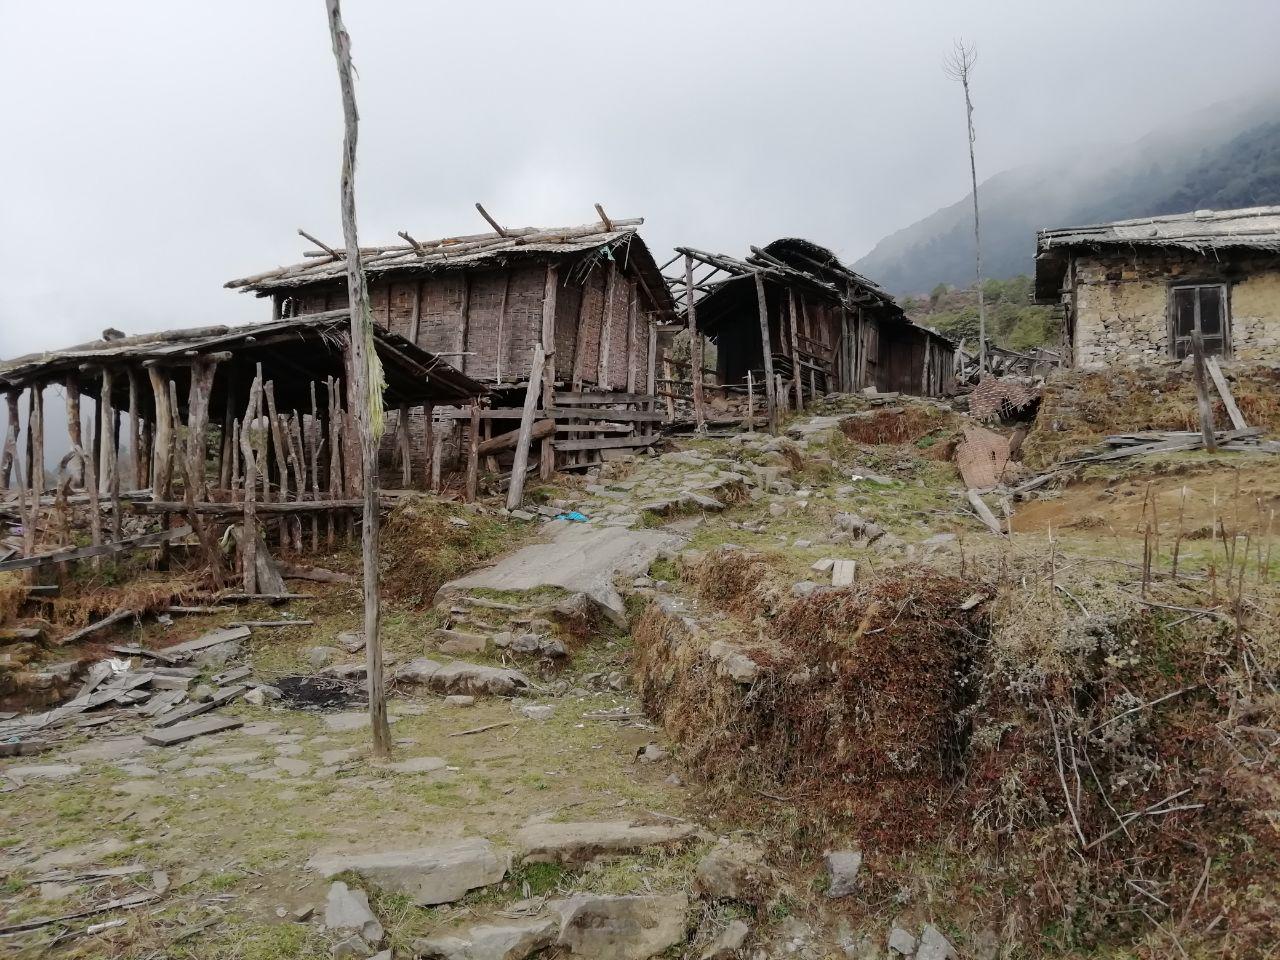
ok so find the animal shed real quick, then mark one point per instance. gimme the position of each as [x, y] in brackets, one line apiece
[196, 430]
[829, 328]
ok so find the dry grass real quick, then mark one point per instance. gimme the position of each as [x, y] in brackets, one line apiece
[896, 424]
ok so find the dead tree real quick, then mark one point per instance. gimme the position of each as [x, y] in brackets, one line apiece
[958, 65]
[366, 374]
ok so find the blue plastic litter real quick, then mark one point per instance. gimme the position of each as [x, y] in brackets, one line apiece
[573, 515]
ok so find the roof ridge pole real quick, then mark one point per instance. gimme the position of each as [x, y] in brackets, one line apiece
[695, 345]
[366, 372]
[958, 65]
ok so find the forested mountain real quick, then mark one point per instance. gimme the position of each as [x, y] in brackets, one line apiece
[1225, 157]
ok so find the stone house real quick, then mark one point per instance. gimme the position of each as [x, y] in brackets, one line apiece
[1132, 292]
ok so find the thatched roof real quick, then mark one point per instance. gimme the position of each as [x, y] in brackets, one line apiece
[615, 238]
[308, 346]
[1203, 232]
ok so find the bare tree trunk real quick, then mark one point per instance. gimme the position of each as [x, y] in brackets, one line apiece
[959, 66]
[367, 385]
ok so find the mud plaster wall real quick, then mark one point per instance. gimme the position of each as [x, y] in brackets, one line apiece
[1121, 304]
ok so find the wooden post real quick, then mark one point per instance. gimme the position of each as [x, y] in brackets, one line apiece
[367, 375]
[652, 357]
[202, 372]
[795, 351]
[771, 399]
[751, 403]
[91, 488]
[515, 493]
[73, 432]
[632, 323]
[429, 446]
[106, 419]
[502, 321]
[162, 461]
[464, 321]
[35, 429]
[695, 344]
[473, 453]
[1202, 393]
[606, 329]
[249, 525]
[281, 451]
[669, 381]
[415, 313]
[135, 430]
[10, 439]
[547, 452]
[336, 491]
[406, 451]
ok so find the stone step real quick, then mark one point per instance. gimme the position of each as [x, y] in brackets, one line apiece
[578, 843]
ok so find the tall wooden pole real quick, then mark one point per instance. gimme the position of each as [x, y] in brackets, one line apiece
[73, 429]
[695, 344]
[547, 454]
[1202, 392]
[766, 346]
[10, 438]
[367, 383]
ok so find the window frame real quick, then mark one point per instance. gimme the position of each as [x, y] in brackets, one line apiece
[1171, 319]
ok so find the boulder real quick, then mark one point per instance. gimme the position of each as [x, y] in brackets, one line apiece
[578, 843]
[420, 670]
[514, 940]
[621, 928]
[454, 642]
[429, 875]
[934, 946]
[473, 678]
[347, 914]
[537, 711]
[736, 871]
[842, 872]
[459, 700]
[730, 942]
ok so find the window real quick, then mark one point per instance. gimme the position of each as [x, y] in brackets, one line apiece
[1200, 307]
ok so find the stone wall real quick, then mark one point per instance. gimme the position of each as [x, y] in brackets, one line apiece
[1121, 304]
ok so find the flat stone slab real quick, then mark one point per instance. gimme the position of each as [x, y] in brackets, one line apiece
[346, 722]
[507, 941]
[621, 928]
[577, 843]
[43, 771]
[190, 729]
[430, 875]
[579, 558]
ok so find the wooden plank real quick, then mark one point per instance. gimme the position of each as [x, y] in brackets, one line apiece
[984, 512]
[182, 732]
[607, 443]
[80, 553]
[210, 639]
[695, 344]
[606, 413]
[588, 396]
[1202, 392]
[1237, 418]
[144, 652]
[220, 697]
[504, 441]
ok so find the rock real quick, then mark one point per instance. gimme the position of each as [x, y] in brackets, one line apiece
[513, 940]
[454, 642]
[934, 946]
[459, 700]
[521, 515]
[262, 694]
[420, 670]
[729, 943]
[351, 641]
[843, 573]
[578, 843]
[901, 942]
[842, 872]
[203, 693]
[346, 721]
[652, 753]
[802, 544]
[430, 875]
[733, 663]
[734, 872]
[417, 765]
[353, 946]
[803, 588]
[293, 766]
[345, 671]
[44, 771]
[538, 711]
[526, 643]
[347, 912]
[621, 928]
[473, 678]
[823, 565]
[551, 647]
[320, 656]
[459, 522]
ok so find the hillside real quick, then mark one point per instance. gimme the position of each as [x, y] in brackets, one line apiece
[1013, 321]
[1228, 156]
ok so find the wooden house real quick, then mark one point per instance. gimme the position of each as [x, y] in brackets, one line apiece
[827, 327]
[590, 295]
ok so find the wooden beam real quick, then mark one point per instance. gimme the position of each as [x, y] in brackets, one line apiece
[606, 443]
[505, 441]
[606, 328]
[35, 431]
[515, 493]
[492, 222]
[1202, 393]
[80, 553]
[1224, 391]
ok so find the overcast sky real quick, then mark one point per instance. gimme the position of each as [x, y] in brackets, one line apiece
[153, 150]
